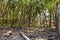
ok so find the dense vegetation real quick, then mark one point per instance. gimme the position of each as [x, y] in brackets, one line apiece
[17, 13]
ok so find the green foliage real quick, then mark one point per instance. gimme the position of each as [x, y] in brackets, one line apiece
[13, 12]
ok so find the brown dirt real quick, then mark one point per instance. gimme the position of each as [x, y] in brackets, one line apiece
[32, 32]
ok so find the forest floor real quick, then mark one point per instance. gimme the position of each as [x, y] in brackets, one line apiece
[32, 33]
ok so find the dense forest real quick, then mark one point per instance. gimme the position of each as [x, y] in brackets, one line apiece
[20, 13]
[29, 19]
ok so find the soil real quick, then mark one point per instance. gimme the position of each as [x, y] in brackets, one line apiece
[31, 32]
